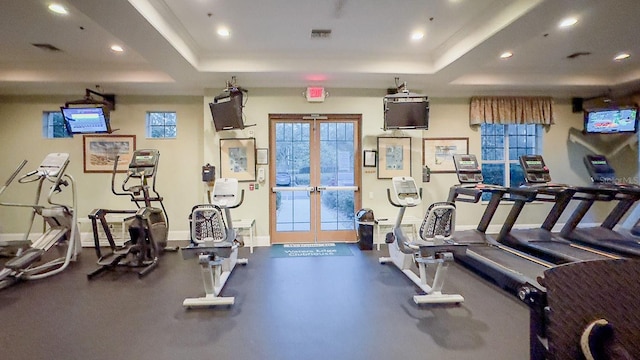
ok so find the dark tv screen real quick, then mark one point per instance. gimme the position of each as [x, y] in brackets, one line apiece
[87, 120]
[406, 112]
[227, 112]
[606, 121]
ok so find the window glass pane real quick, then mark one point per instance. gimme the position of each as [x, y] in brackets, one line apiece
[53, 125]
[522, 141]
[493, 174]
[516, 174]
[162, 125]
[170, 119]
[513, 153]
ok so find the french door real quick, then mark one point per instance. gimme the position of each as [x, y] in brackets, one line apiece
[315, 178]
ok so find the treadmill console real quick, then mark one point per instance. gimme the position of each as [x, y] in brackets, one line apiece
[599, 169]
[405, 191]
[467, 169]
[144, 163]
[52, 164]
[535, 171]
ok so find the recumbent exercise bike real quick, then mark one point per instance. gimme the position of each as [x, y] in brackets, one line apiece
[215, 243]
[433, 247]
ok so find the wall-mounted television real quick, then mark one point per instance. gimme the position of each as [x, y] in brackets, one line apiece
[406, 111]
[226, 110]
[86, 120]
[613, 120]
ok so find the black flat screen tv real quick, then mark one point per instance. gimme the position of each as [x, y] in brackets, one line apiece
[614, 120]
[226, 110]
[86, 120]
[406, 111]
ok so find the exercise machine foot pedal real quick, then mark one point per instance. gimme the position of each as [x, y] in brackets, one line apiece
[27, 258]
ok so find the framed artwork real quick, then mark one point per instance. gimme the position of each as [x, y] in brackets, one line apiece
[394, 157]
[262, 156]
[238, 159]
[369, 159]
[100, 152]
[437, 153]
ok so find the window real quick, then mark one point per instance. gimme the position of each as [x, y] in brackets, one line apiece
[53, 125]
[502, 146]
[161, 125]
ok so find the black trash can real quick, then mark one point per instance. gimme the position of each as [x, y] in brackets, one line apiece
[365, 222]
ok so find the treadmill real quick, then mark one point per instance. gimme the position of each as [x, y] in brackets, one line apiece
[512, 270]
[541, 242]
[604, 237]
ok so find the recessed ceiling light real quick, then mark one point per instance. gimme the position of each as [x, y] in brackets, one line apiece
[117, 48]
[622, 56]
[417, 35]
[506, 55]
[568, 22]
[224, 32]
[58, 9]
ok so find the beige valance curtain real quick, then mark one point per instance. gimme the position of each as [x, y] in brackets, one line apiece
[511, 110]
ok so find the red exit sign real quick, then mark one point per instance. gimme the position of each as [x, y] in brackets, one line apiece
[315, 94]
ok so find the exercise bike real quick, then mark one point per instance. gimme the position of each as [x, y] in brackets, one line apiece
[31, 262]
[433, 247]
[148, 226]
[215, 243]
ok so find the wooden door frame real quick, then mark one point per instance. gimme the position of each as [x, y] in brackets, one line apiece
[357, 118]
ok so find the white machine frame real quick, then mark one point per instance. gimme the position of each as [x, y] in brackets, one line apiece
[61, 219]
[403, 252]
[217, 255]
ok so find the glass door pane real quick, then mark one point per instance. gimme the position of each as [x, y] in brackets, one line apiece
[337, 176]
[292, 186]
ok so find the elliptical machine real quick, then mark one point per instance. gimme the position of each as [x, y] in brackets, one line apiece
[215, 243]
[433, 247]
[148, 227]
[61, 221]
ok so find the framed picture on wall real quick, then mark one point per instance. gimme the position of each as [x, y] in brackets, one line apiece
[262, 156]
[437, 153]
[394, 157]
[369, 158]
[238, 159]
[100, 152]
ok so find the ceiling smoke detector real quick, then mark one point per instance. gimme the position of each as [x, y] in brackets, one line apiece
[47, 47]
[320, 33]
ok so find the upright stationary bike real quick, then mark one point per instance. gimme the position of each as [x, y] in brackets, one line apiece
[34, 262]
[148, 226]
[215, 243]
[433, 247]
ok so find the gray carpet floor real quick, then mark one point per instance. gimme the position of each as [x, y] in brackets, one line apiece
[335, 307]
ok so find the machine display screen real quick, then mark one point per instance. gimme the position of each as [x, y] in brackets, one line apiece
[468, 165]
[534, 164]
[599, 164]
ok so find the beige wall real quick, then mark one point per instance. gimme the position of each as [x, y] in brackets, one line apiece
[197, 143]
[180, 160]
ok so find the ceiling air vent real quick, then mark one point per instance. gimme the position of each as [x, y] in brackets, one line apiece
[320, 33]
[47, 47]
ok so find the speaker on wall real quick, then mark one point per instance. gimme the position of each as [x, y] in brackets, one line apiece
[576, 104]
